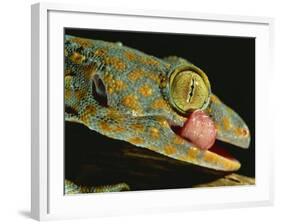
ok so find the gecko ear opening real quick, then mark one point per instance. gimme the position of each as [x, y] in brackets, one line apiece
[189, 89]
[99, 91]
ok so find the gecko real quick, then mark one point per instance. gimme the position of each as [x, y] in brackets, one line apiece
[164, 105]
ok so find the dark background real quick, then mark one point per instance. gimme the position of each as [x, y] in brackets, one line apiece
[229, 63]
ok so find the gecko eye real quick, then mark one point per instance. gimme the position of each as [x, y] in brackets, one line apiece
[189, 90]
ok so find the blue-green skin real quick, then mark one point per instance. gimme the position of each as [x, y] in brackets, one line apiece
[142, 118]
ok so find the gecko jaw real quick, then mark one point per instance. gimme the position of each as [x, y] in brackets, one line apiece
[216, 157]
[205, 143]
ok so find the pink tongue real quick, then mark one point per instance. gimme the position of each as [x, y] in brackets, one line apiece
[200, 130]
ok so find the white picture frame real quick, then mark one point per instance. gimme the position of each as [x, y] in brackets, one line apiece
[48, 201]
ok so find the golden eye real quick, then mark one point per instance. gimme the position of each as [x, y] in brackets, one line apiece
[189, 90]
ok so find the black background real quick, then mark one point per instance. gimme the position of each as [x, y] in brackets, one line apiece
[229, 63]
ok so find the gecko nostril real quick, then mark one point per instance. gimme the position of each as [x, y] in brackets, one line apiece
[99, 91]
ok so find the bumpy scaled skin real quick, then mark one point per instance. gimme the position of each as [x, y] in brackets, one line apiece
[72, 188]
[124, 94]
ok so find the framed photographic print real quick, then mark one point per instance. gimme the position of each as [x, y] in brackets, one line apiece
[148, 111]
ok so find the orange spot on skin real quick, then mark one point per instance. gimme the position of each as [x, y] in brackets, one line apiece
[149, 61]
[214, 99]
[227, 164]
[105, 126]
[119, 129]
[80, 94]
[137, 127]
[226, 123]
[113, 84]
[89, 112]
[135, 74]
[192, 154]
[130, 55]
[136, 140]
[100, 52]
[82, 42]
[109, 90]
[154, 133]
[145, 90]
[153, 76]
[108, 79]
[119, 85]
[242, 132]
[178, 140]
[163, 122]
[77, 58]
[131, 101]
[169, 150]
[210, 158]
[232, 165]
[114, 114]
[116, 63]
[159, 104]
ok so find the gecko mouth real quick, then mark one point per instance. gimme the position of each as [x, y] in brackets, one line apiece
[200, 130]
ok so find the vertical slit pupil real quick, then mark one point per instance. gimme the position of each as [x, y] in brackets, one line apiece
[190, 94]
[192, 88]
